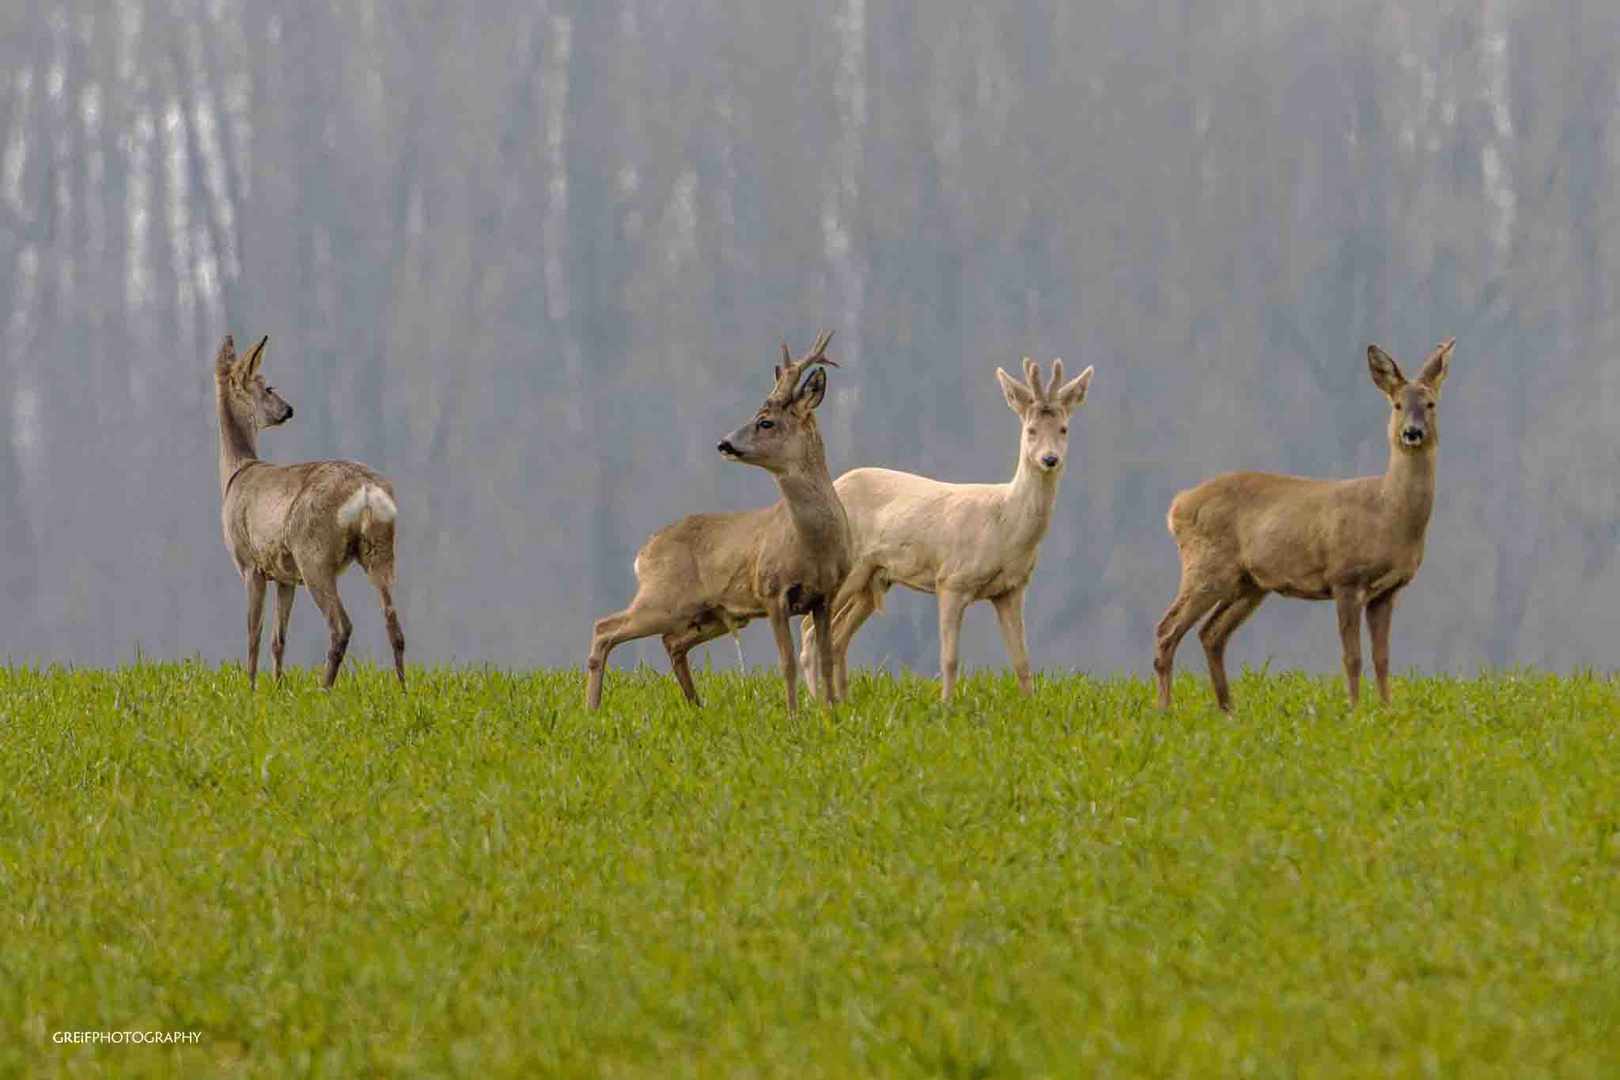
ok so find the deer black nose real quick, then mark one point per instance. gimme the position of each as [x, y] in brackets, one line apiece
[1413, 435]
[725, 447]
[289, 412]
[1050, 461]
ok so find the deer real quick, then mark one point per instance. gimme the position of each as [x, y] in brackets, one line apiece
[1359, 542]
[961, 542]
[297, 524]
[710, 574]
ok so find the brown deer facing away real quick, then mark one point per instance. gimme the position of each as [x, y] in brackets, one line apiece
[962, 542]
[709, 574]
[1358, 542]
[297, 524]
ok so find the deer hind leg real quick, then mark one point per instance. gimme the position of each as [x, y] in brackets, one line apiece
[1350, 601]
[1010, 614]
[680, 642]
[285, 595]
[323, 589]
[636, 621]
[255, 618]
[1218, 629]
[376, 556]
[1194, 599]
[1379, 614]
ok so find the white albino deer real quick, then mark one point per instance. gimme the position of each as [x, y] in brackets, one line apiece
[963, 542]
[1358, 542]
[297, 524]
[708, 574]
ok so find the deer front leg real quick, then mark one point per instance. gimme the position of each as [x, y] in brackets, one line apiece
[1350, 602]
[783, 629]
[826, 662]
[1379, 614]
[285, 595]
[951, 606]
[1010, 614]
[255, 605]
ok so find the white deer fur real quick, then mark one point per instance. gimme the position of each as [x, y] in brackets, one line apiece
[962, 542]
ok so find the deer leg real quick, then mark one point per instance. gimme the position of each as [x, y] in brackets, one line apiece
[255, 604]
[1379, 614]
[783, 629]
[826, 663]
[1182, 615]
[1217, 629]
[951, 606]
[396, 636]
[285, 594]
[1350, 602]
[680, 642]
[613, 630]
[810, 634]
[1010, 614]
[845, 624]
[323, 589]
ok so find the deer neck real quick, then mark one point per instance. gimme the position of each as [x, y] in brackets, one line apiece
[1408, 490]
[813, 505]
[238, 444]
[1030, 498]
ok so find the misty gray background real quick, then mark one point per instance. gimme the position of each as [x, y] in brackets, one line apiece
[532, 259]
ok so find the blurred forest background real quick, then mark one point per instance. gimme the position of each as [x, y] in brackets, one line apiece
[532, 259]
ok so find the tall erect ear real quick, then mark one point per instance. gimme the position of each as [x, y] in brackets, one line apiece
[1386, 373]
[1436, 367]
[1019, 398]
[225, 359]
[811, 391]
[250, 366]
[1072, 393]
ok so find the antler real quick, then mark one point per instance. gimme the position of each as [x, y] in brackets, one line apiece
[1032, 380]
[1057, 378]
[788, 372]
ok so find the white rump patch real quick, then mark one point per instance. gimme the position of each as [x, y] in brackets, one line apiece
[369, 497]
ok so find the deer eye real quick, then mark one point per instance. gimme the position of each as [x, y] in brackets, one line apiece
[765, 425]
[1064, 430]
[1430, 406]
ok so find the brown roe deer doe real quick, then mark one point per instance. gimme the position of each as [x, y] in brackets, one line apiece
[297, 524]
[708, 574]
[1358, 542]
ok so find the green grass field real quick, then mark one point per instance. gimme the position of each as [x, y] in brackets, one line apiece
[479, 879]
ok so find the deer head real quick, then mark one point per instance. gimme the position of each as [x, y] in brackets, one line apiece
[782, 436]
[1412, 420]
[1044, 410]
[242, 390]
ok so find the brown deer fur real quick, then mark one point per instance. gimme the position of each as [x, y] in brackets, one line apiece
[297, 524]
[1358, 542]
[710, 573]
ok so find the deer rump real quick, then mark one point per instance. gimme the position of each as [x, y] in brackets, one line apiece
[284, 518]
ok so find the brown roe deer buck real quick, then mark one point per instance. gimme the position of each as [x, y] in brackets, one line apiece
[297, 524]
[963, 542]
[1243, 535]
[708, 574]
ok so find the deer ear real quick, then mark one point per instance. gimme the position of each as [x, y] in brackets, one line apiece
[1386, 373]
[1436, 367]
[225, 359]
[250, 366]
[811, 391]
[1019, 398]
[1073, 392]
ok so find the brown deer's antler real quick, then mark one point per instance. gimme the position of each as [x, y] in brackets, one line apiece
[789, 371]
